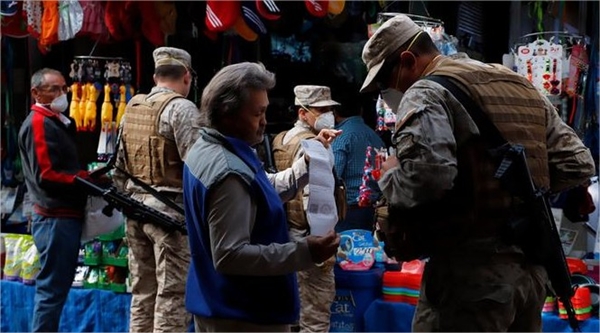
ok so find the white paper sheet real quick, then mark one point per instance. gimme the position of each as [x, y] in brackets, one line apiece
[322, 212]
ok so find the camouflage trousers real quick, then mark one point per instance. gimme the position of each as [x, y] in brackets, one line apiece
[158, 265]
[466, 296]
[317, 292]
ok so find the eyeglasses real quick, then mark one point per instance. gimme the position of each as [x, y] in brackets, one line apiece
[55, 89]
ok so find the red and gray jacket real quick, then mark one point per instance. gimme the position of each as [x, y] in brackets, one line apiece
[50, 164]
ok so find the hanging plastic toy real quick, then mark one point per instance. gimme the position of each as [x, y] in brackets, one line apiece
[74, 106]
[122, 104]
[82, 106]
[89, 118]
[379, 159]
[106, 117]
[364, 191]
[380, 106]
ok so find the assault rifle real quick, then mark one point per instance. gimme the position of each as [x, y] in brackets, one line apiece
[130, 207]
[536, 233]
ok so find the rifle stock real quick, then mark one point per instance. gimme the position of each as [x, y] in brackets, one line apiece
[537, 233]
[132, 208]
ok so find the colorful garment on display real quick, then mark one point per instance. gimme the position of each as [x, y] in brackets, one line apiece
[70, 20]
[167, 13]
[50, 22]
[15, 25]
[33, 9]
[93, 19]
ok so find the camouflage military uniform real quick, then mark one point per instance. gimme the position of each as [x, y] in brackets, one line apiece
[485, 285]
[443, 198]
[159, 259]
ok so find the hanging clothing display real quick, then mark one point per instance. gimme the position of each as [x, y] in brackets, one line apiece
[70, 20]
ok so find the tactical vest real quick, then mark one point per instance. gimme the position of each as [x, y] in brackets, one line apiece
[478, 206]
[284, 155]
[512, 103]
[149, 156]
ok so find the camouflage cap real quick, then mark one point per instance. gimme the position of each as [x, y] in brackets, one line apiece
[171, 56]
[392, 34]
[315, 96]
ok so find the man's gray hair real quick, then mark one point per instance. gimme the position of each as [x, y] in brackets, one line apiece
[37, 79]
[230, 88]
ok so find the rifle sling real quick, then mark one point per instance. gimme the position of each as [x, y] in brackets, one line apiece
[162, 198]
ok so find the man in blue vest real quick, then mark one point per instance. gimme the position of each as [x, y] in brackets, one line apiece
[241, 276]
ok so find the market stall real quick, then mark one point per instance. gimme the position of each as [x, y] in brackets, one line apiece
[103, 49]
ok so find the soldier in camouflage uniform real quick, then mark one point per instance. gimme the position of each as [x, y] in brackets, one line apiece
[441, 184]
[317, 284]
[158, 130]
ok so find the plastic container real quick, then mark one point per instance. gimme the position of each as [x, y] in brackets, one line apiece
[401, 287]
[549, 305]
[355, 291]
[582, 304]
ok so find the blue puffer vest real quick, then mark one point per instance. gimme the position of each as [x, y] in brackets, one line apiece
[257, 299]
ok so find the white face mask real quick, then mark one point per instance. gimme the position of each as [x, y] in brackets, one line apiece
[392, 98]
[60, 104]
[325, 120]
